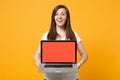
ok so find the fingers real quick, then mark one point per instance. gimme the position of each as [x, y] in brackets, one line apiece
[38, 65]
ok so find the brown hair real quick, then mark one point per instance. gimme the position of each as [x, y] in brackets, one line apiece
[53, 33]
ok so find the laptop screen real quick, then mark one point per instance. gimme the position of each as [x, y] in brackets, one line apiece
[58, 51]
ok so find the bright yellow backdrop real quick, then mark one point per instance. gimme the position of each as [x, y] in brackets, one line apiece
[22, 23]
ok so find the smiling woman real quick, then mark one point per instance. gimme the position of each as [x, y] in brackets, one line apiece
[23, 22]
[60, 29]
[60, 17]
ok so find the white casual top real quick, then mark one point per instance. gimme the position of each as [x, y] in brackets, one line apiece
[44, 37]
[61, 76]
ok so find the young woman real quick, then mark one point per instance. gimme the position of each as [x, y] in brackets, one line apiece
[60, 29]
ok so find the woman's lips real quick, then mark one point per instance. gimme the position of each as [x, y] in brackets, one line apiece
[59, 20]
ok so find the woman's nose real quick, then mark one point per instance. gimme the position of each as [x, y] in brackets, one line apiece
[60, 16]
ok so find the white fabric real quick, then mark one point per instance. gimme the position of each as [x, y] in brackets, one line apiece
[44, 37]
[61, 76]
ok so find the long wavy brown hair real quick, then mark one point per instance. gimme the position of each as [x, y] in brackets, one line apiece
[52, 34]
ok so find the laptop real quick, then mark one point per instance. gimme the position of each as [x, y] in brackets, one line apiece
[59, 56]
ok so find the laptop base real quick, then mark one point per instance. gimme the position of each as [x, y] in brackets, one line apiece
[58, 69]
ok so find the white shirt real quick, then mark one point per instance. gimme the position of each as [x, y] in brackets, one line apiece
[44, 37]
[61, 76]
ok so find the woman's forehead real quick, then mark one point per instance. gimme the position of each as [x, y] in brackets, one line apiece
[61, 10]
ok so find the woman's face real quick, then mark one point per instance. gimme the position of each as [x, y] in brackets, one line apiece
[60, 17]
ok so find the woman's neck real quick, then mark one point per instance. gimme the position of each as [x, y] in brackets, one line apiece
[60, 29]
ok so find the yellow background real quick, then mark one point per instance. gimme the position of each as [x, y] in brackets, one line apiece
[22, 23]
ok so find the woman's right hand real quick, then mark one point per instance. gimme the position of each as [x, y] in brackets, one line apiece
[38, 63]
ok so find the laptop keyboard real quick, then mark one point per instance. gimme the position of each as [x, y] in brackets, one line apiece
[59, 66]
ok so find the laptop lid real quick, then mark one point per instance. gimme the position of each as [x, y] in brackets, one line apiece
[63, 51]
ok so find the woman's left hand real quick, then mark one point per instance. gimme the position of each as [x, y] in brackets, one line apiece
[78, 65]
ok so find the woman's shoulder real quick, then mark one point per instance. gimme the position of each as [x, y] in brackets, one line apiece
[45, 33]
[44, 36]
[77, 36]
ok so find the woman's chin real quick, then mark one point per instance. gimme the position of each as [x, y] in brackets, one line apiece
[60, 25]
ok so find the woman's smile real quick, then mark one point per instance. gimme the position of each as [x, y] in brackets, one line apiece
[60, 17]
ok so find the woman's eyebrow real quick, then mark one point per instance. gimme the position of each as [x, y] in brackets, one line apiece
[63, 12]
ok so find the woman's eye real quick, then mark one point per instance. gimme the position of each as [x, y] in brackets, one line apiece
[63, 14]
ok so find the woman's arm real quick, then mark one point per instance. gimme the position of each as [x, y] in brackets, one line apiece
[83, 54]
[37, 57]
